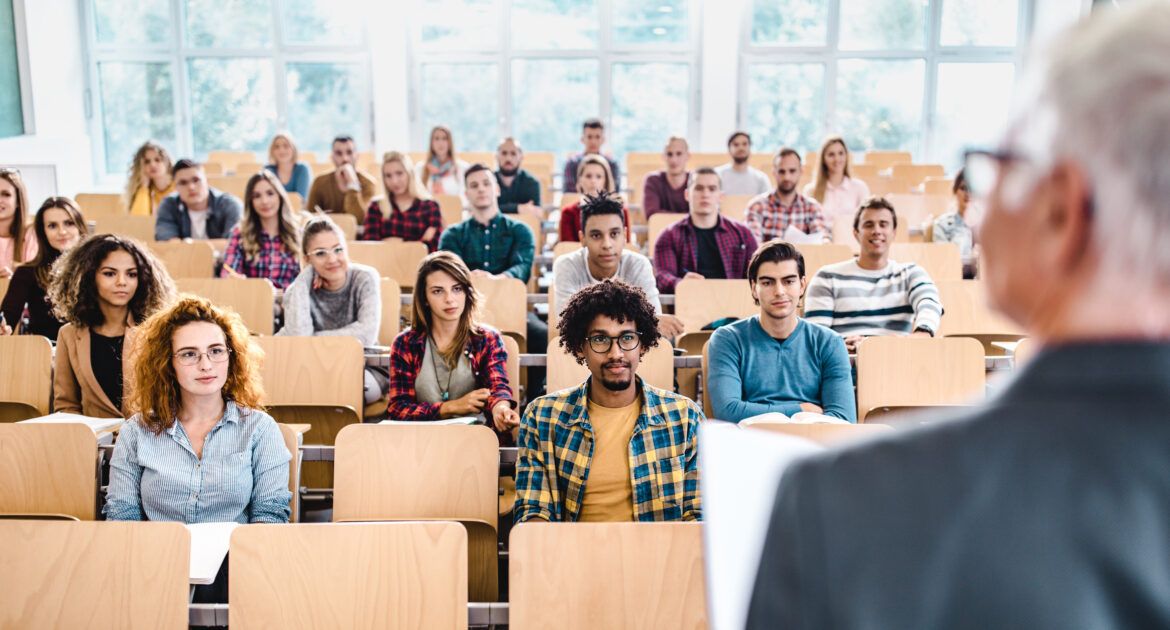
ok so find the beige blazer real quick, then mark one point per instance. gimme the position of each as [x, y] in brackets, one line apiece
[75, 388]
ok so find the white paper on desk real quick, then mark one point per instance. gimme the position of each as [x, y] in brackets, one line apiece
[460, 420]
[98, 425]
[796, 236]
[209, 546]
[739, 473]
[802, 417]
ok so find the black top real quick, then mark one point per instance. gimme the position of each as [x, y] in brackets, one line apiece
[105, 356]
[23, 290]
[707, 255]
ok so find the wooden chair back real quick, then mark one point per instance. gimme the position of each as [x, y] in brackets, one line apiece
[607, 575]
[656, 367]
[914, 208]
[699, 302]
[826, 434]
[865, 172]
[359, 575]
[1025, 351]
[700, 159]
[186, 260]
[503, 304]
[763, 162]
[735, 206]
[348, 224]
[966, 313]
[17, 411]
[48, 468]
[292, 441]
[819, 255]
[138, 228]
[324, 422]
[913, 371]
[658, 224]
[397, 261]
[61, 574]
[230, 160]
[312, 371]
[391, 312]
[451, 207]
[234, 185]
[249, 168]
[26, 370]
[94, 205]
[252, 298]
[296, 201]
[886, 159]
[513, 366]
[940, 260]
[914, 174]
[935, 185]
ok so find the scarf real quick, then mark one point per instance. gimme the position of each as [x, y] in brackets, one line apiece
[437, 171]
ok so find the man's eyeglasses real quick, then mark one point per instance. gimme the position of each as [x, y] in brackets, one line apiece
[602, 343]
[981, 168]
[216, 354]
[323, 254]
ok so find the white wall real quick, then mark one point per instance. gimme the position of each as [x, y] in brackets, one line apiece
[720, 72]
[60, 136]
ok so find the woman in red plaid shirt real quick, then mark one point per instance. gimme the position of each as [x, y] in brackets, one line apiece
[447, 364]
[266, 243]
[421, 219]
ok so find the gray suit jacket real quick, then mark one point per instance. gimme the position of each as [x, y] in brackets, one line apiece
[1049, 507]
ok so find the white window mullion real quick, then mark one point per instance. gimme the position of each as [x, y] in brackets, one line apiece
[184, 135]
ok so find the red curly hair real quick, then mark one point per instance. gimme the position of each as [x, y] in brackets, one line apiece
[155, 389]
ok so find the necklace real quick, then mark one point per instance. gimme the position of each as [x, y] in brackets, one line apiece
[435, 358]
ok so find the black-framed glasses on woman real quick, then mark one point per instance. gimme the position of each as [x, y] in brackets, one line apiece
[215, 354]
[981, 168]
[602, 343]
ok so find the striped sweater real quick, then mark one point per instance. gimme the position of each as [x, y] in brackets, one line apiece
[895, 300]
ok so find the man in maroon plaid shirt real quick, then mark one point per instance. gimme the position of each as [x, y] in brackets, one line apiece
[770, 214]
[705, 244]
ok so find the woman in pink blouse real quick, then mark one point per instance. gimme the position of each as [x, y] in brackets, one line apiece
[839, 194]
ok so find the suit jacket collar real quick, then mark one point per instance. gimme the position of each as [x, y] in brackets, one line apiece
[1098, 370]
[85, 366]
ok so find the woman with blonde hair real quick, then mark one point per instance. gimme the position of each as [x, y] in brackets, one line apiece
[839, 194]
[407, 211]
[17, 243]
[593, 176]
[442, 173]
[59, 226]
[149, 179]
[294, 175]
[266, 243]
[199, 447]
[447, 364]
[102, 289]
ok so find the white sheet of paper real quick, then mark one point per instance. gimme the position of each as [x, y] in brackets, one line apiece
[739, 473]
[209, 546]
[98, 425]
[460, 420]
[794, 235]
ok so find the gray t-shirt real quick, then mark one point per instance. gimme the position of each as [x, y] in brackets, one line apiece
[434, 377]
[752, 182]
[571, 274]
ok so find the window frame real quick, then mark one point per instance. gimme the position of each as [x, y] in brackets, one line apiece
[933, 53]
[178, 51]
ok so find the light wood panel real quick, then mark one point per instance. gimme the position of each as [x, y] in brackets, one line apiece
[916, 371]
[397, 261]
[819, 255]
[968, 314]
[503, 304]
[230, 160]
[886, 159]
[659, 222]
[360, 575]
[248, 169]
[391, 312]
[940, 260]
[656, 367]
[26, 370]
[512, 367]
[1025, 351]
[135, 227]
[94, 205]
[234, 185]
[735, 206]
[348, 224]
[252, 298]
[312, 371]
[827, 434]
[700, 302]
[914, 174]
[93, 575]
[186, 260]
[451, 207]
[934, 185]
[607, 575]
[292, 441]
[914, 208]
[48, 468]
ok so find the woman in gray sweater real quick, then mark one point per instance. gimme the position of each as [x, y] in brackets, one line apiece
[332, 296]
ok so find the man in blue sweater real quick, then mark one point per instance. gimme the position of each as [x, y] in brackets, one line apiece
[776, 362]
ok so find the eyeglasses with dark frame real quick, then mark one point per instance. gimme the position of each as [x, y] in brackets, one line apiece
[981, 168]
[626, 341]
[215, 354]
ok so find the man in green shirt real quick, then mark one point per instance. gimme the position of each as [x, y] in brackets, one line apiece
[519, 190]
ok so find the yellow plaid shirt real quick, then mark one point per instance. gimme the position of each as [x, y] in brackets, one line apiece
[556, 449]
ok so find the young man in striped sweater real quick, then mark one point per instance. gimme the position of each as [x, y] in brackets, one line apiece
[873, 295]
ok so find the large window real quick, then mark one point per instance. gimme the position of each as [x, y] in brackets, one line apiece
[204, 75]
[535, 69]
[926, 76]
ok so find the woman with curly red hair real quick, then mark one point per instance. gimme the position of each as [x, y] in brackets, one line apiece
[199, 448]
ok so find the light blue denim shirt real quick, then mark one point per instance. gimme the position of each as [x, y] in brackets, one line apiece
[243, 476]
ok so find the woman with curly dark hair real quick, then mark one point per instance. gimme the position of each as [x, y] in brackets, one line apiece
[102, 288]
[613, 448]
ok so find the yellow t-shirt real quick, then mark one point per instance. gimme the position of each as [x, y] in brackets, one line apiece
[146, 200]
[609, 495]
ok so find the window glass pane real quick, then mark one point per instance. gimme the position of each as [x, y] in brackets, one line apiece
[881, 24]
[982, 23]
[458, 24]
[972, 107]
[650, 22]
[879, 103]
[327, 99]
[649, 105]
[138, 104]
[551, 24]
[132, 21]
[11, 107]
[229, 23]
[464, 98]
[790, 22]
[233, 104]
[785, 105]
[329, 22]
[550, 100]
